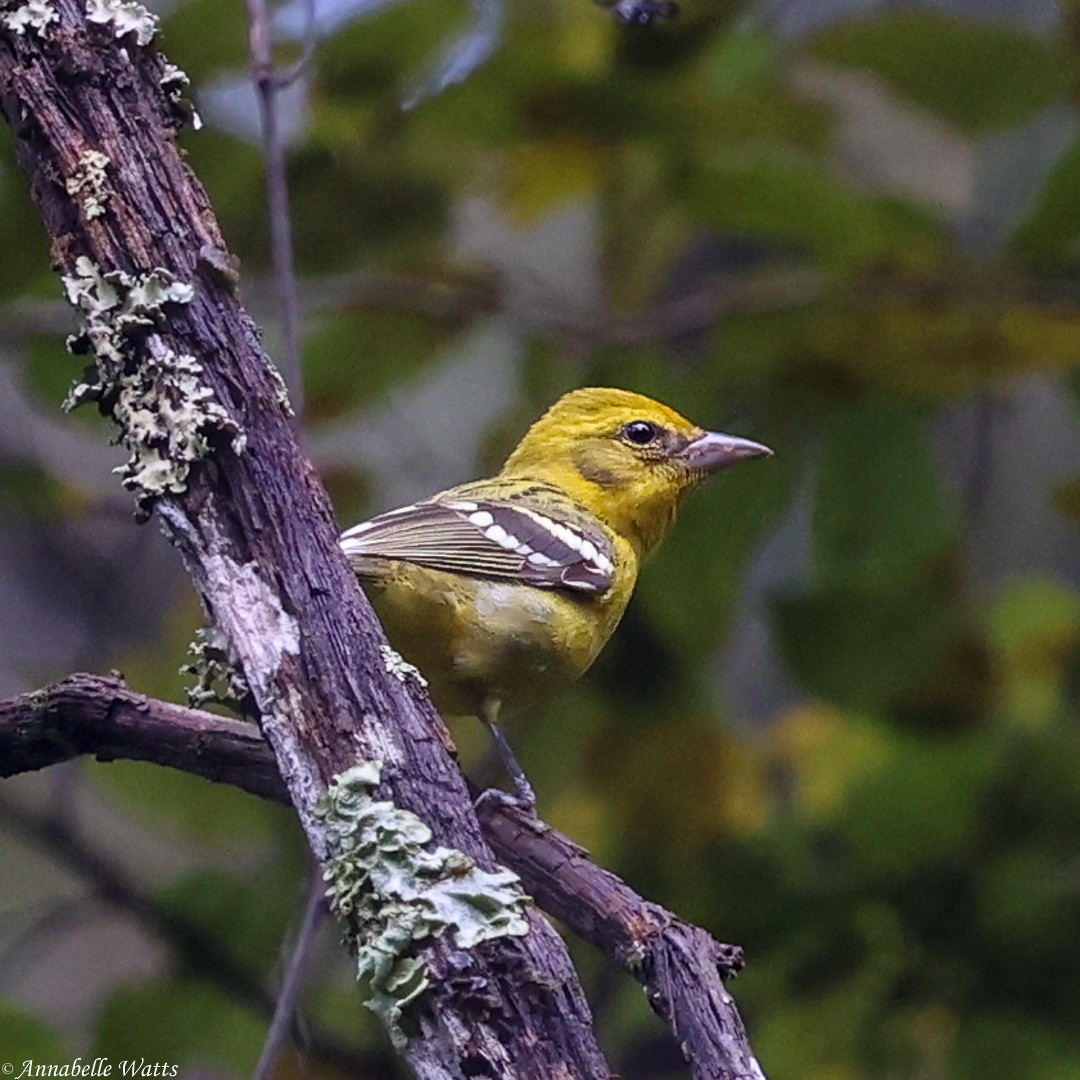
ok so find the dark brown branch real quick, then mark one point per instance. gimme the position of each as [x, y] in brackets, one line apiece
[92, 714]
[681, 967]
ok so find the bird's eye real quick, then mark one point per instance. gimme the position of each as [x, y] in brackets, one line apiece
[640, 432]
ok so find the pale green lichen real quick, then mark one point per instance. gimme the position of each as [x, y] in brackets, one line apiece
[398, 666]
[125, 16]
[217, 680]
[393, 891]
[34, 15]
[89, 183]
[166, 411]
[176, 84]
[281, 391]
[154, 394]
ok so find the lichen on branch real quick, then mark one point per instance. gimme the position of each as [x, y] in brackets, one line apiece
[125, 17]
[393, 891]
[165, 413]
[34, 16]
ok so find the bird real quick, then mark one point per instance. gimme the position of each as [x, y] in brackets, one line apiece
[500, 590]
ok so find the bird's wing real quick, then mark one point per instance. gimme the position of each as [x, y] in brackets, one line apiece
[489, 538]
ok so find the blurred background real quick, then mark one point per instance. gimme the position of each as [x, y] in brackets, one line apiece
[839, 723]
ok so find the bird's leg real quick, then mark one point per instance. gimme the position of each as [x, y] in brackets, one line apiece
[523, 789]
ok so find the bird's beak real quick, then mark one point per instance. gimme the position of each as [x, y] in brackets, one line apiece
[714, 451]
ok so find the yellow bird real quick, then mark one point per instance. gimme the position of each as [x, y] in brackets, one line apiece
[499, 589]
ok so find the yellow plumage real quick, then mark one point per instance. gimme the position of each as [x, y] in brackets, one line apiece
[499, 589]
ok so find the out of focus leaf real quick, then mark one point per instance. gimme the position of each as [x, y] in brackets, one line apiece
[1028, 902]
[248, 914]
[876, 631]
[357, 355]
[941, 345]
[979, 76]
[393, 206]
[34, 492]
[25, 1038]
[824, 753]
[21, 229]
[742, 57]
[1009, 1043]
[541, 175]
[206, 53]
[775, 193]
[183, 1023]
[922, 805]
[50, 371]
[880, 512]
[860, 647]
[460, 57]
[1035, 625]
[199, 809]
[1050, 231]
[1067, 498]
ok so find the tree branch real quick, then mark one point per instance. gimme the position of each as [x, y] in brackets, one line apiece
[680, 966]
[94, 121]
[99, 715]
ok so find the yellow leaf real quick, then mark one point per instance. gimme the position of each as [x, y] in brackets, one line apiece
[825, 753]
[540, 175]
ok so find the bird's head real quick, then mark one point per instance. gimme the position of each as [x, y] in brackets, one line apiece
[625, 457]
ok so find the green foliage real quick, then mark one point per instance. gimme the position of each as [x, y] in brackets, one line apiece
[198, 809]
[32, 1039]
[742, 60]
[51, 379]
[1051, 229]
[768, 192]
[393, 345]
[880, 511]
[216, 903]
[208, 41]
[980, 78]
[33, 491]
[21, 229]
[182, 1022]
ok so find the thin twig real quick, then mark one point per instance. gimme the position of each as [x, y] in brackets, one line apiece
[289, 75]
[293, 983]
[267, 85]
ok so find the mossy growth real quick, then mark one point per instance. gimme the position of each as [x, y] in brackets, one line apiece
[394, 891]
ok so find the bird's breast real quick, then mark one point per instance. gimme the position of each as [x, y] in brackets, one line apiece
[476, 638]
